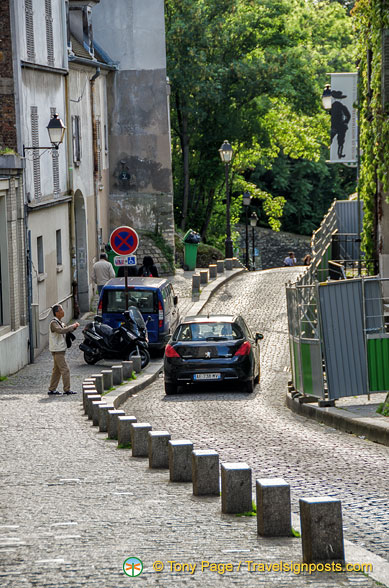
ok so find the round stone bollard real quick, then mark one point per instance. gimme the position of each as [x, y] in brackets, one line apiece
[117, 374]
[236, 488]
[205, 472]
[107, 379]
[273, 508]
[140, 439]
[128, 368]
[124, 429]
[228, 263]
[212, 271]
[99, 382]
[321, 529]
[95, 411]
[103, 416]
[137, 363]
[159, 449]
[220, 266]
[180, 460]
[112, 429]
[91, 398]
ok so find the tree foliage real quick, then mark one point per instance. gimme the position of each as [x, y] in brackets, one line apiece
[252, 74]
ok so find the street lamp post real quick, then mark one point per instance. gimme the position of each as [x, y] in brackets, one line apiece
[253, 223]
[226, 157]
[246, 204]
[56, 130]
[327, 105]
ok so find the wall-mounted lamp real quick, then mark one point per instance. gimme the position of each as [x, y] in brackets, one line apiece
[56, 130]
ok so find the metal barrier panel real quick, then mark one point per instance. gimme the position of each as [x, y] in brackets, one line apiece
[378, 362]
[341, 316]
[296, 370]
[374, 306]
[312, 368]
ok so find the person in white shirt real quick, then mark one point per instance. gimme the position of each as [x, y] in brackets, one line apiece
[290, 260]
[102, 271]
[57, 347]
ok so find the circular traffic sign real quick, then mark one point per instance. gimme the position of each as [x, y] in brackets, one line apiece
[124, 241]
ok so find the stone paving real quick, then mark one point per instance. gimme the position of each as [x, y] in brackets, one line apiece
[73, 507]
[260, 430]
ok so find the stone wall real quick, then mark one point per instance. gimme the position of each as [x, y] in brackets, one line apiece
[7, 95]
[274, 247]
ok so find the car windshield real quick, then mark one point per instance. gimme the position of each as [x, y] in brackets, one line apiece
[115, 300]
[209, 332]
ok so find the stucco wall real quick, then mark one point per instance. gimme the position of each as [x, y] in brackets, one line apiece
[13, 351]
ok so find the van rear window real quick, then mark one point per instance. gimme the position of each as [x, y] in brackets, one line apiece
[115, 300]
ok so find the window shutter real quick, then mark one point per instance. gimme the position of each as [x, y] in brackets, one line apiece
[76, 131]
[385, 70]
[35, 154]
[98, 146]
[49, 33]
[55, 157]
[29, 30]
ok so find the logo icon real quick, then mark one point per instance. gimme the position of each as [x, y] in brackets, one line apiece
[207, 355]
[132, 566]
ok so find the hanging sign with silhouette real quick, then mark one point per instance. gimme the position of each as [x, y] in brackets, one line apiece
[344, 123]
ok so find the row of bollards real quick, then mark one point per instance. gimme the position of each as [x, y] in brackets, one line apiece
[320, 518]
[204, 275]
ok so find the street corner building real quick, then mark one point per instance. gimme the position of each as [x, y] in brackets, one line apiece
[101, 67]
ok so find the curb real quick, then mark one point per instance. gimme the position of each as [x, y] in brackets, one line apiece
[342, 420]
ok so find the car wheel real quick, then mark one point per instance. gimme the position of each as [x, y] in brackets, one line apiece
[170, 388]
[257, 378]
[250, 385]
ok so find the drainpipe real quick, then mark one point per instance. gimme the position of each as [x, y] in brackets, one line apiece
[70, 190]
[95, 158]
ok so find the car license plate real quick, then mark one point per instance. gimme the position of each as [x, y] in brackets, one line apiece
[215, 376]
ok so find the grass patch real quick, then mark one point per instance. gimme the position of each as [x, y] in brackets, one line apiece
[295, 533]
[249, 513]
[383, 409]
[3, 378]
[124, 446]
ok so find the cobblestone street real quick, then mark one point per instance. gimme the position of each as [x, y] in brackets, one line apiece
[73, 507]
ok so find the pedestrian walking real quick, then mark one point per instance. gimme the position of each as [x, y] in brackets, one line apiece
[102, 271]
[148, 268]
[57, 346]
[290, 260]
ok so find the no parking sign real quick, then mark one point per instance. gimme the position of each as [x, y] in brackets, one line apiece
[124, 241]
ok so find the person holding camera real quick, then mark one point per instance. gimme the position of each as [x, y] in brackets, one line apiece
[59, 335]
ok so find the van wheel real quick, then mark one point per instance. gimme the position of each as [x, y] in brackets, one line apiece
[170, 389]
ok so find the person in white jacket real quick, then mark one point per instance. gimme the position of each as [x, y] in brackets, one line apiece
[102, 271]
[57, 347]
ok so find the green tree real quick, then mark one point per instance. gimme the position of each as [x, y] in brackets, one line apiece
[252, 75]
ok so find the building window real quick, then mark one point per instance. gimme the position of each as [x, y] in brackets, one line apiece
[105, 139]
[49, 33]
[76, 130]
[41, 262]
[35, 154]
[29, 30]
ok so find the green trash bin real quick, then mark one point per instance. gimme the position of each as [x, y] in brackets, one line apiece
[111, 256]
[191, 241]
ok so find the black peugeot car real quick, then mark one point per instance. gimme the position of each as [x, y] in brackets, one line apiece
[215, 348]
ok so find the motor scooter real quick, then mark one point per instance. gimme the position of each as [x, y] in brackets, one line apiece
[103, 342]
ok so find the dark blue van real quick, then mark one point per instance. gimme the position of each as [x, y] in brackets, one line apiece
[153, 296]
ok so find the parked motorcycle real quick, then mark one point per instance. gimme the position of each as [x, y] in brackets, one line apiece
[103, 342]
